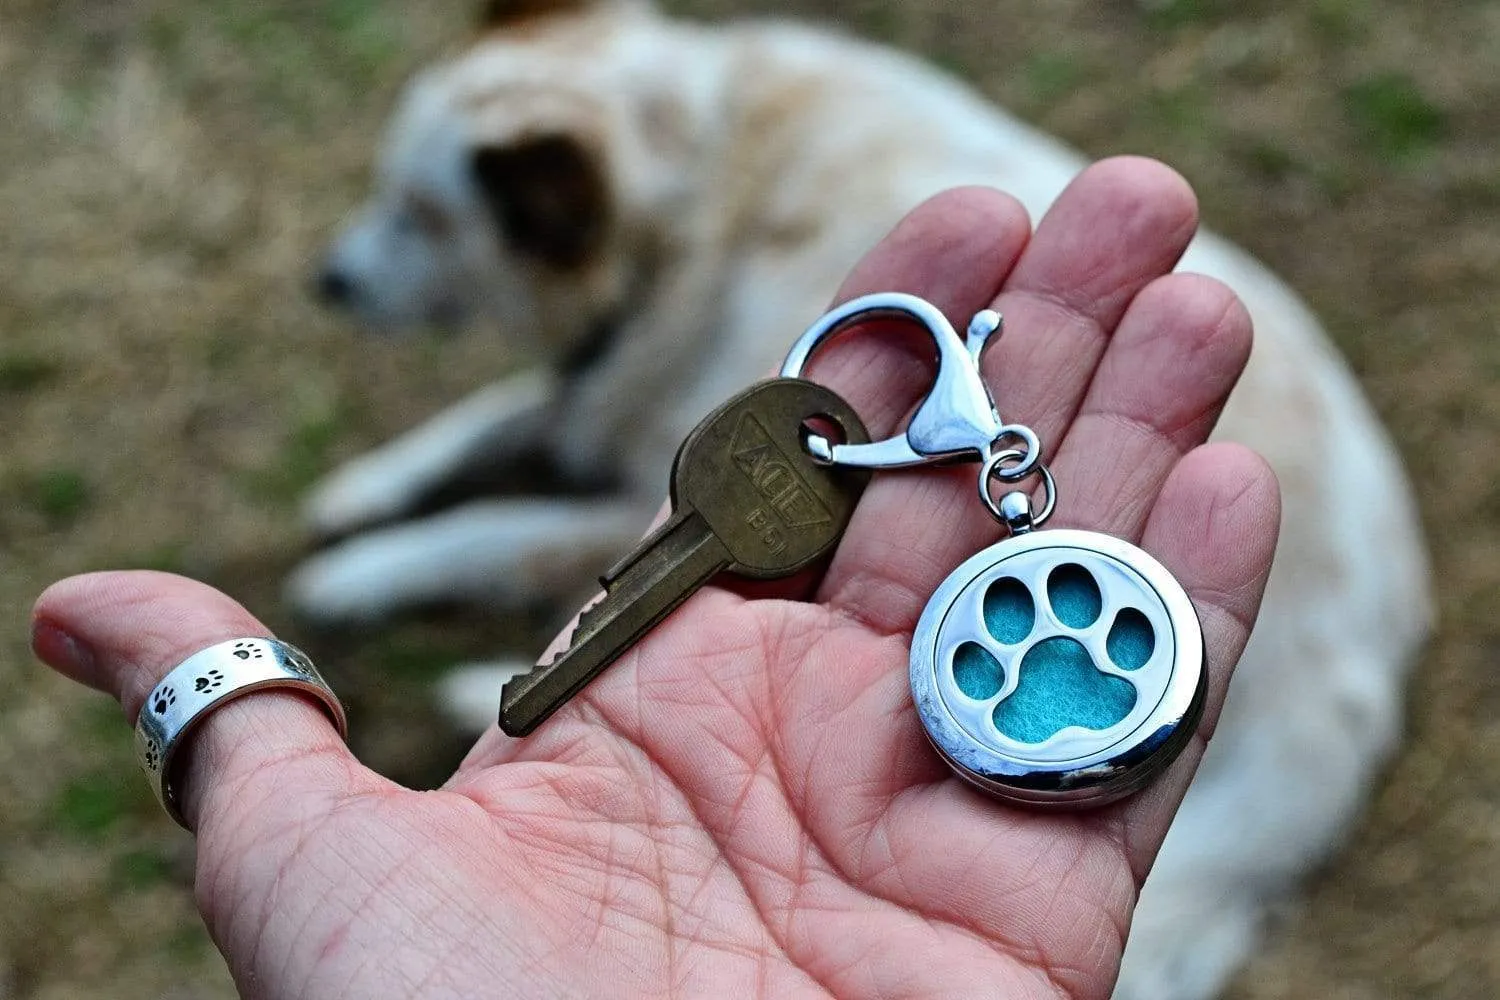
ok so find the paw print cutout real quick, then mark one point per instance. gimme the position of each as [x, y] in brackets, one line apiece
[153, 754]
[1057, 684]
[1058, 666]
[1052, 649]
[248, 650]
[163, 700]
[209, 682]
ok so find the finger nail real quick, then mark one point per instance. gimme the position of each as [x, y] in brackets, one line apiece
[61, 650]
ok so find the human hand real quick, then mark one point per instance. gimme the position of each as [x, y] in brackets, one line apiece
[745, 803]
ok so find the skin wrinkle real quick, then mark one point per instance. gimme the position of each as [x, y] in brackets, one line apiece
[209, 880]
[730, 865]
[1085, 341]
[1027, 877]
[815, 849]
[733, 869]
[272, 897]
[443, 895]
[622, 742]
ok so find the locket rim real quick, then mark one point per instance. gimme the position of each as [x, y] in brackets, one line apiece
[1129, 762]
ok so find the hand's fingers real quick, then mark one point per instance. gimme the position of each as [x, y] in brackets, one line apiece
[954, 250]
[1214, 526]
[1156, 395]
[272, 755]
[1119, 226]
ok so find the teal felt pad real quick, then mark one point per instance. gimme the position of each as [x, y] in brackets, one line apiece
[1131, 640]
[1074, 596]
[1060, 687]
[977, 673]
[1009, 611]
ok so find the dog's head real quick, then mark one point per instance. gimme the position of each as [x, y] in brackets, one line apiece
[504, 188]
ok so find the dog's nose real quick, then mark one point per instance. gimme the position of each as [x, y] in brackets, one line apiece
[334, 287]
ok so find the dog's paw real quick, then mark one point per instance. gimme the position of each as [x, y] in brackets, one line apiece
[358, 582]
[361, 493]
[469, 696]
[1058, 683]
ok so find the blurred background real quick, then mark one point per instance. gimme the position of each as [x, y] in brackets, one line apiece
[169, 171]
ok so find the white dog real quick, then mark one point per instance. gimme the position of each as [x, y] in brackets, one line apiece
[639, 202]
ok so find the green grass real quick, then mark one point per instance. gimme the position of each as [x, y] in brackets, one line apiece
[1183, 112]
[1393, 116]
[141, 868]
[1051, 76]
[1340, 21]
[24, 372]
[304, 456]
[59, 495]
[1176, 13]
[419, 659]
[91, 805]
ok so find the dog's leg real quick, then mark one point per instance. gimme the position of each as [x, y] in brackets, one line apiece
[508, 554]
[497, 424]
[468, 694]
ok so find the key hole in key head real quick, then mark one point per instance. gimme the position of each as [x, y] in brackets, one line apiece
[819, 434]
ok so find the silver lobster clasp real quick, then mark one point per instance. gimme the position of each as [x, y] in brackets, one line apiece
[957, 421]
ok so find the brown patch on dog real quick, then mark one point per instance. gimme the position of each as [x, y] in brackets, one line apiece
[504, 13]
[429, 215]
[548, 196]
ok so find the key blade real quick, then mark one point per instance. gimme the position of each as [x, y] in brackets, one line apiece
[668, 568]
[746, 498]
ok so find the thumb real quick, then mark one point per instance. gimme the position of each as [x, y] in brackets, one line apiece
[270, 757]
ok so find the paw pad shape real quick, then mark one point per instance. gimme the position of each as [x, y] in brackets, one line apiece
[153, 754]
[210, 681]
[165, 699]
[248, 650]
[1058, 684]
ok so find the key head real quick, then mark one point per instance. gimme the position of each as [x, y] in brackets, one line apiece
[746, 472]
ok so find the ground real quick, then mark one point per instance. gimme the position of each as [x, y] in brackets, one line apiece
[169, 170]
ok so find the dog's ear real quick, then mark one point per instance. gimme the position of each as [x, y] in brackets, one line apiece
[548, 196]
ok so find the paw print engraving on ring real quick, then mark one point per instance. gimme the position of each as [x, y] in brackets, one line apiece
[209, 682]
[163, 700]
[153, 754]
[1040, 665]
[246, 650]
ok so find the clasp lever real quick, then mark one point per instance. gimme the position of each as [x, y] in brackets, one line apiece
[957, 421]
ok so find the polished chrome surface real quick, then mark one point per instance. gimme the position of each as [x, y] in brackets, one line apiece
[1076, 766]
[1014, 509]
[958, 418]
[207, 680]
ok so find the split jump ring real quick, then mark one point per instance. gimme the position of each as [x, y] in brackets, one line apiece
[992, 470]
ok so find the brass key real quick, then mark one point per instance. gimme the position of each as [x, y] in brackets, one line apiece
[746, 499]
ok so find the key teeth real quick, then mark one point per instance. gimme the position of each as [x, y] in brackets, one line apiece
[585, 619]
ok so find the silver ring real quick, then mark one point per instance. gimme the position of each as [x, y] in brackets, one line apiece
[210, 679]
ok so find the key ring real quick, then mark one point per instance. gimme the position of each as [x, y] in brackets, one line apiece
[1014, 508]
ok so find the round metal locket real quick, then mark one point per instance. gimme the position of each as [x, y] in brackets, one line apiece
[1059, 668]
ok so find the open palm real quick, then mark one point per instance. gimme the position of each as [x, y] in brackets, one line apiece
[745, 804]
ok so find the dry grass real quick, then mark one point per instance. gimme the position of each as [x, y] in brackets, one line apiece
[169, 169]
